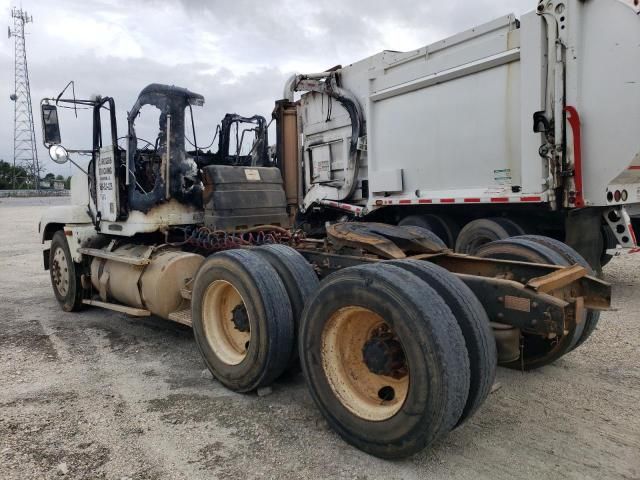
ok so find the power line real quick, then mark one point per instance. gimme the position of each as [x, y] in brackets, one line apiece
[25, 152]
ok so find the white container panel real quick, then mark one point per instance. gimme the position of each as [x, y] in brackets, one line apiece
[464, 133]
[607, 72]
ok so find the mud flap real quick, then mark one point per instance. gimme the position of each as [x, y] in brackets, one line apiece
[45, 258]
[583, 233]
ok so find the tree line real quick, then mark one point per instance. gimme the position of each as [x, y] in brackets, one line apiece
[8, 172]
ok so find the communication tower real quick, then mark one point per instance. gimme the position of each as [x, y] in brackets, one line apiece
[25, 152]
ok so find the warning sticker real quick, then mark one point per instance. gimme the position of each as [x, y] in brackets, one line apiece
[502, 177]
[252, 174]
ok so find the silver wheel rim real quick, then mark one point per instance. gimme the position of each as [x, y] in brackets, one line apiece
[228, 343]
[353, 383]
[60, 272]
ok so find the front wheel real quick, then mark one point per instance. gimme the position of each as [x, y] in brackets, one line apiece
[65, 274]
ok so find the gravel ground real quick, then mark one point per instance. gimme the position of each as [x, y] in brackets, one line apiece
[103, 395]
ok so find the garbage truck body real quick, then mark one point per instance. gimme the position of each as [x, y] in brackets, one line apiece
[535, 119]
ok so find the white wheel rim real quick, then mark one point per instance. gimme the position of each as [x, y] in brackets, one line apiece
[353, 383]
[60, 272]
[228, 343]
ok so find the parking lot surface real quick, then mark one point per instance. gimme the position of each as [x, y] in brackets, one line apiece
[103, 395]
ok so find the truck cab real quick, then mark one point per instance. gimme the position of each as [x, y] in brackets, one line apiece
[135, 185]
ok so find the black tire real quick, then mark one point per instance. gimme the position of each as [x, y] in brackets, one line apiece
[609, 242]
[299, 280]
[425, 233]
[474, 323]
[537, 351]
[478, 233]
[270, 319]
[522, 250]
[572, 257]
[443, 226]
[510, 226]
[65, 274]
[432, 343]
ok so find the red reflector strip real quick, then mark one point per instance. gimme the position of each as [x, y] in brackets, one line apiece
[633, 234]
[634, 167]
[530, 199]
[535, 198]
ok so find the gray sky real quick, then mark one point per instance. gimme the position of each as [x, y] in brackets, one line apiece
[238, 53]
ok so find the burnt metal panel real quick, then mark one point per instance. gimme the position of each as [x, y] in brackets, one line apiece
[184, 184]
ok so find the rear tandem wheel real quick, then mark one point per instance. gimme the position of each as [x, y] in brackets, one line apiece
[480, 232]
[591, 322]
[299, 280]
[384, 359]
[242, 320]
[537, 351]
[445, 227]
[474, 323]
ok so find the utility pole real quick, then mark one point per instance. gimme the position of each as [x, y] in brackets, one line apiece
[25, 152]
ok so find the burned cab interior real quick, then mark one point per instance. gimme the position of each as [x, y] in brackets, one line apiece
[159, 161]
[153, 179]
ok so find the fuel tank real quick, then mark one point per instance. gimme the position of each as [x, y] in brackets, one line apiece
[155, 285]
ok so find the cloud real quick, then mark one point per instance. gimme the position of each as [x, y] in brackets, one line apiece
[238, 54]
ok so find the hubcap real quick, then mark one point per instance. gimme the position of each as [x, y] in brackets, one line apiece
[365, 363]
[226, 322]
[240, 318]
[60, 272]
[383, 354]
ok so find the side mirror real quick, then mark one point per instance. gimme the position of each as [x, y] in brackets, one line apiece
[58, 154]
[50, 126]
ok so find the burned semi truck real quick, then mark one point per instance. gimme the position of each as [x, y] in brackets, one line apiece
[334, 252]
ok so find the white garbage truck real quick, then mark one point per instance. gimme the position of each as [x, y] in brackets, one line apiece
[338, 252]
[520, 125]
